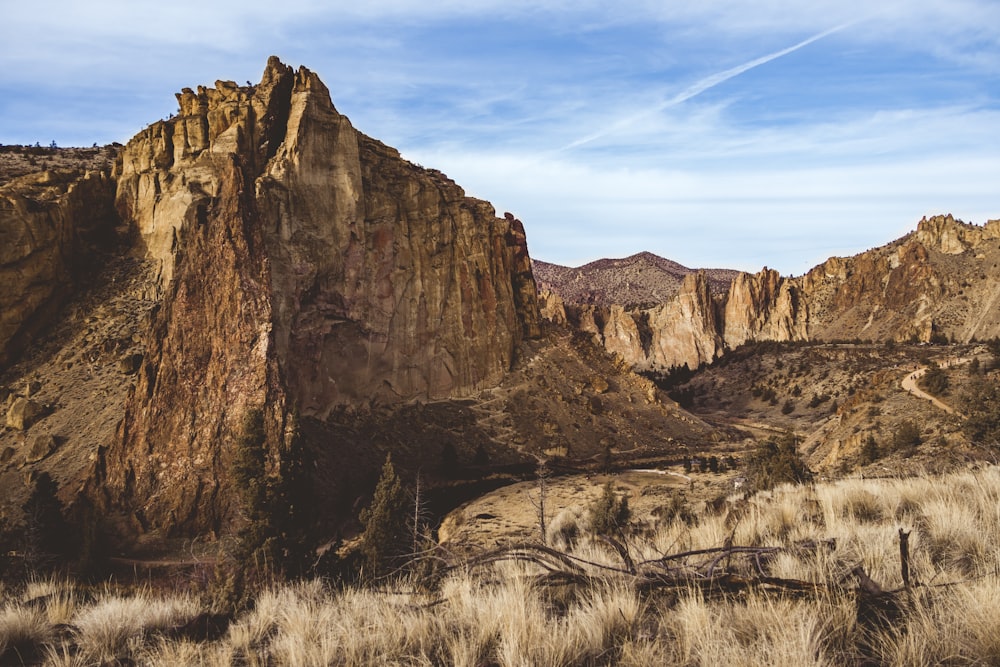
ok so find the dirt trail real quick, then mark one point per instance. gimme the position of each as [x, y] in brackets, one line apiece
[909, 384]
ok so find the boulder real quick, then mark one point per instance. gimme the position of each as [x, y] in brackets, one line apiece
[599, 384]
[130, 363]
[23, 412]
[39, 446]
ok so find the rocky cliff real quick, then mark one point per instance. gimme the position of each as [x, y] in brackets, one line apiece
[54, 226]
[940, 280]
[302, 267]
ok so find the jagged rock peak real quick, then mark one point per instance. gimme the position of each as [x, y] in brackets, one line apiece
[953, 237]
[305, 267]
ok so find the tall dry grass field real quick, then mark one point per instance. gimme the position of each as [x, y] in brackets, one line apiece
[587, 607]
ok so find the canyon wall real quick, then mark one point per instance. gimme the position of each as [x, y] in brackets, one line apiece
[53, 227]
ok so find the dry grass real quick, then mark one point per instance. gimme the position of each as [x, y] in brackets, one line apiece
[499, 614]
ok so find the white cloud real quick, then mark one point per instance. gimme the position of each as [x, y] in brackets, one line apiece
[787, 218]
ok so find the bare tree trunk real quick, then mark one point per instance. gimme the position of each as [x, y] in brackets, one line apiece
[543, 473]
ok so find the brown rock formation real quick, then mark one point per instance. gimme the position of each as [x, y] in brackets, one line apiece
[551, 307]
[52, 224]
[763, 306]
[303, 266]
[685, 330]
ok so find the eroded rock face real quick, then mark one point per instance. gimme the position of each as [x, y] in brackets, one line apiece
[681, 331]
[763, 306]
[303, 266]
[685, 330]
[52, 225]
[953, 237]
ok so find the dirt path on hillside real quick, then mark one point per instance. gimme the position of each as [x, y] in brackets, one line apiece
[909, 384]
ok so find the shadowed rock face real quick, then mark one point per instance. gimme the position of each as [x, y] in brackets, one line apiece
[302, 266]
[53, 224]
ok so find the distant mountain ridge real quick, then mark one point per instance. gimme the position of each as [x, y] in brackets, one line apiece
[640, 279]
[940, 281]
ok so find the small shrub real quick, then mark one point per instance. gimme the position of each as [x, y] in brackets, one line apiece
[870, 451]
[906, 438]
[818, 399]
[47, 540]
[609, 513]
[774, 463]
[934, 381]
[482, 457]
[678, 508]
[981, 406]
[564, 529]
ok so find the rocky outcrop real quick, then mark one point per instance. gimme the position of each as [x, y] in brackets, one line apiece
[303, 267]
[693, 327]
[954, 237]
[551, 307]
[941, 280]
[53, 225]
[763, 306]
[685, 329]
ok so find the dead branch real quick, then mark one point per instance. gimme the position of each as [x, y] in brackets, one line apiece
[622, 551]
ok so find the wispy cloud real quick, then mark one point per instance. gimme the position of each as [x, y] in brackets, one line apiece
[699, 87]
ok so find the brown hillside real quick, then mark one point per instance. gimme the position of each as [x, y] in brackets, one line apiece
[641, 279]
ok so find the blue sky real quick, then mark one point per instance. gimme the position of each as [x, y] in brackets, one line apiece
[733, 133]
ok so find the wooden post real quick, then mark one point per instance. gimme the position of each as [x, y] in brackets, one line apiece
[904, 556]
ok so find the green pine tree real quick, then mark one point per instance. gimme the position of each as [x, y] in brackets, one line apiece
[385, 538]
[776, 462]
[47, 540]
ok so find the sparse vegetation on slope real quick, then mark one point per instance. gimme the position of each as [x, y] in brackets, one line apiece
[846, 402]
